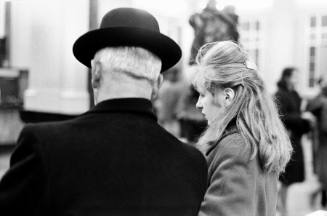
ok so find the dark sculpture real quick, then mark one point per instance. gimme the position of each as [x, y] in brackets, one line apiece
[213, 25]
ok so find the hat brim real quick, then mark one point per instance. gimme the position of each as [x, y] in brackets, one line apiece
[165, 48]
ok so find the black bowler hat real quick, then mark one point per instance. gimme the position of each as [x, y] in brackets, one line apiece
[127, 27]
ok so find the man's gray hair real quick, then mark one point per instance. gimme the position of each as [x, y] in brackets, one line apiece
[135, 62]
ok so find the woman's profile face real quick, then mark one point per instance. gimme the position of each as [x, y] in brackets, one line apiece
[293, 79]
[211, 106]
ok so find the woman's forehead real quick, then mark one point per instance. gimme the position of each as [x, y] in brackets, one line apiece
[198, 81]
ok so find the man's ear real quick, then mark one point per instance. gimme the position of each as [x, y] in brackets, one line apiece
[96, 74]
[229, 94]
[160, 81]
[156, 87]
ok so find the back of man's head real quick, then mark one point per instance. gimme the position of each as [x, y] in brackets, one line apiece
[125, 72]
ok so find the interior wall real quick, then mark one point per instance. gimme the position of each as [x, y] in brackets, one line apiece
[42, 35]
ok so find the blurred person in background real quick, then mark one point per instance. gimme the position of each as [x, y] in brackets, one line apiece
[289, 105]
[114, 159]
[318, 107]
[246, 144]
[168, 99]
[192, 122]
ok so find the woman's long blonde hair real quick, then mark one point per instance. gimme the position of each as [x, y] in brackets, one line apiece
[225, 65]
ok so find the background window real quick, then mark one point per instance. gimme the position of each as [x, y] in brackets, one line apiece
[313, 21]
[312, 66]
[246, 26]
[324, 20]
[256, 56]
[257, 25]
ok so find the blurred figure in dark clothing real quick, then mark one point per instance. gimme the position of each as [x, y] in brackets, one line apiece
[191, 121]
[318, 107]
[168, 99]
[289, 104]
[3, 54]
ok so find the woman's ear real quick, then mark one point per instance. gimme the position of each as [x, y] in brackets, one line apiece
[229, 94]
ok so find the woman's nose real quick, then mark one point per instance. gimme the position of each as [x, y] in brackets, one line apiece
[198, 104]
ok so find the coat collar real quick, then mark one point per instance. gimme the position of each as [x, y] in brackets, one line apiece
[128, 105]
[230, 129]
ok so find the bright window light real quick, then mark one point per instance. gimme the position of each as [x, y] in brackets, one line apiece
[2, 18]
[179, 7]
[245, 5]
[312, 2]
[172, 8]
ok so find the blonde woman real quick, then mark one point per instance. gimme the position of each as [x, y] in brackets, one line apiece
[246, 144]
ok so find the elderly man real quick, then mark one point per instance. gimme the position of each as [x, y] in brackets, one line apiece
[114, 159]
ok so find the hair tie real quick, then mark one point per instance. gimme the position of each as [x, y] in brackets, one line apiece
[250, 65]
[242, 77]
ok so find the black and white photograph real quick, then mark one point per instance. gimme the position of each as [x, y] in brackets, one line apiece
[163, 107]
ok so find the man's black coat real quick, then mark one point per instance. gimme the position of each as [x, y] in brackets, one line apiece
[113, 160]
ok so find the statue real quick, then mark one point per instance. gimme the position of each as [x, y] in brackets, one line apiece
[213, 25]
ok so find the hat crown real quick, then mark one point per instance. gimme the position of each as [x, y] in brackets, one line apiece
[129, 17]
[128, 27]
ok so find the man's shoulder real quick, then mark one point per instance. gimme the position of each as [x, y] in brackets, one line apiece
[192, 151]
[55, 130]
[177, 142]
[177, 147]
[47, 126]
[34, 137]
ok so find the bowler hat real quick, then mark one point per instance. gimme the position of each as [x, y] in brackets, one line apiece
[127, 27]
